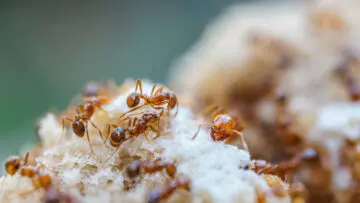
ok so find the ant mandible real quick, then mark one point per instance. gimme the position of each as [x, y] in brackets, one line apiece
[223, 128]
[160, 194]
[156, 99]
[135, 128]
[84, 112]
[137, 167]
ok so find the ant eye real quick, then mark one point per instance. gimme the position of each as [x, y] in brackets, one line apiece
[133, 99]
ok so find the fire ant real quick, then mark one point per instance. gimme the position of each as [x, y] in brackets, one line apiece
[155, 99]
[84, 113]
[135, 128]
[281, 169]
[13, 164]
[222, 128]
[18, 165]
[160, 194]
[138, 167]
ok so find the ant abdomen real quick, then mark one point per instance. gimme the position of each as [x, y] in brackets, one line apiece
[117, 137]
[79, 128]
[12, 165]
[133, 99]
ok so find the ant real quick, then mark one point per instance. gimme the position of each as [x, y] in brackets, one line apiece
[159, 194]
[84, 112]
[222, 128]
[264, 167]
[18, 165]
[13, 164]
[135, 128]
[138, 167]
[155, 99]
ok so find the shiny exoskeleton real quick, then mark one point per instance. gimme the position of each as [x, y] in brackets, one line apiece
[80, 121]
[137, 168]
[156, 99]
[223, 128]
[160, 194]
[136, 126]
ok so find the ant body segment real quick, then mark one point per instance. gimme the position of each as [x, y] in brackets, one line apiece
[223, 128]
[159, 194]
[156, 99]
[136, 126]
[150, 167]
[13, 164]
[84, 112]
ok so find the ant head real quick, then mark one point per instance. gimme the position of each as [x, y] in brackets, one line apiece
[89, 108]
[133, 99]
[12, 165]
[78, 127]
[133, 169]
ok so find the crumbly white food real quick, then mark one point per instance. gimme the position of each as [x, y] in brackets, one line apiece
[213, 167]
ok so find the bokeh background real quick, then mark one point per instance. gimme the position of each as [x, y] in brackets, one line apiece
[50, 49]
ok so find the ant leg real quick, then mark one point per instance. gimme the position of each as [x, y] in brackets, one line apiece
[153, 89]
[160, 89]
[26, 158]
[63, 126]
[198, 130]
[100, 133]
[131, 110]
[138, 86]
[117, 149]
[108, 131]
[88, 138]
[243, 142]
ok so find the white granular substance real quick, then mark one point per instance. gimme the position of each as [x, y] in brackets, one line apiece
[213, 167]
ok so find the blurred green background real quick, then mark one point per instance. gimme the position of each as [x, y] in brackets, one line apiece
[50, 49]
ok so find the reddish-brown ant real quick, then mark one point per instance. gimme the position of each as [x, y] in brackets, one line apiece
[135, 128]
[17, 164]
[223, 128]
[158, 195]
[281, 169]
[84, 113]
[156, 99]
[13, 164]
[138, 167]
